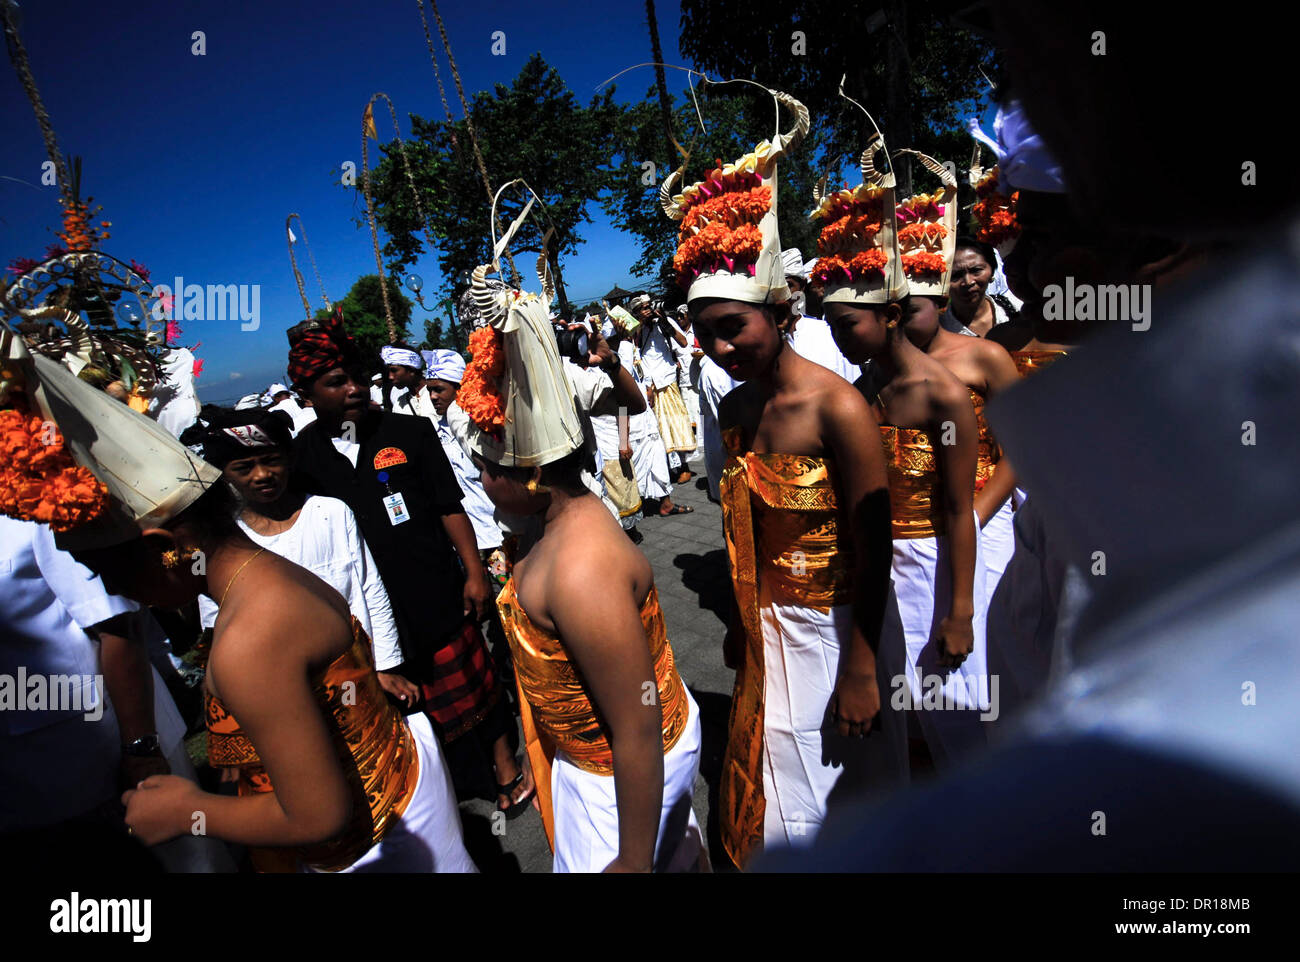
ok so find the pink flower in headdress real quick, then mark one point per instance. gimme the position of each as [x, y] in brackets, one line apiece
[22, 265]
[164, 300]
[198, 366]
[140, 269]
[173, 332]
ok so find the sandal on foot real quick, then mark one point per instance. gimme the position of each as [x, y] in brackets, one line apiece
[514, 809]
[677, 509]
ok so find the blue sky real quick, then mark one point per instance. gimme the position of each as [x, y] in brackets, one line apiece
[197, 160]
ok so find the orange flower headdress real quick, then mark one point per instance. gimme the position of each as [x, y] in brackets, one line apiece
[728, 245]
[994, 210]
[927, 229]
[857, 249]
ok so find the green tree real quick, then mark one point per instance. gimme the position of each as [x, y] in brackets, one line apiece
[535, 129]
[363, 315]
[904, 61]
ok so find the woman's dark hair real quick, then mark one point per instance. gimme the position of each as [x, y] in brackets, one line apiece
[979, 247]
[212, 516]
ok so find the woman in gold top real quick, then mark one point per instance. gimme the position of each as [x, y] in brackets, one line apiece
[331, 777]
[613, 735]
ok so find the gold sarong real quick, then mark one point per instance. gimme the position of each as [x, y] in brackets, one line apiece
[674, 420]
[620, 485]
[781, 521]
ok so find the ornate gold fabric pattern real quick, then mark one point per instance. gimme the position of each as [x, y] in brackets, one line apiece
[1028, 362]
[376, 748]
[988, 451]
[915, 491]
[781, 519]
[557, 695]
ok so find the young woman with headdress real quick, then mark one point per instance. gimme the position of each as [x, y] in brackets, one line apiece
[332, 777]
[982, 365]
[934, 626]
[613, 734]
[805, 514]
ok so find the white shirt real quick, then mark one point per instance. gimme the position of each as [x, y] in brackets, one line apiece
[406, 401]
[812, 339]
[715, 384]
[54, 764]
[349, 449]
[657, 358]
[478, 506]
[325, 540]
[301, 416]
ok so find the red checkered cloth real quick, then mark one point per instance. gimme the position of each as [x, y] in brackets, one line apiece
[321, 349]
[463, 688]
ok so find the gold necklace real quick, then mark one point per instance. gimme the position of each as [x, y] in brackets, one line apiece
[237, 574]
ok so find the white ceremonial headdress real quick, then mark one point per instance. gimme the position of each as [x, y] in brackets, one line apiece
[248, 401]
[927, 231]
[728, 245]
[396, 355]
[150, 476]
[540, 414]
[275, 389]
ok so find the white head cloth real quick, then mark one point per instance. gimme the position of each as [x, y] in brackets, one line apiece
[792, 260]
[445, 365]
[1026, 162]
[396, 355]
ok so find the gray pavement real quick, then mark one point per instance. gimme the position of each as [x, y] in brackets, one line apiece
[690, 565]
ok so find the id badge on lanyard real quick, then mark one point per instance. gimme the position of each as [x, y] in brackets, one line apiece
[394, 503]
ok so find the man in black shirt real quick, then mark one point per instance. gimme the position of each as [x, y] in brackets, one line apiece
[392, 472]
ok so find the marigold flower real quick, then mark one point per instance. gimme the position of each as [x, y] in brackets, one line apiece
[39, 481]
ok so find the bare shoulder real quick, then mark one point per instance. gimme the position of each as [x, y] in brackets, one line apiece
[284, 617]
[592, 550]
[842, 403]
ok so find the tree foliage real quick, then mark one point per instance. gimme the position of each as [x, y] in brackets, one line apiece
[535, 129]
[363, 315]
[917, 74]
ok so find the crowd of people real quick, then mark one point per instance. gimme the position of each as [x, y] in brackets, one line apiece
[411, 566]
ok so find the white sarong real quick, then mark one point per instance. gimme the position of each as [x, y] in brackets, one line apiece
[804, 759]
[586, 811]
[427, 838]
[997, 542]
[948, 702]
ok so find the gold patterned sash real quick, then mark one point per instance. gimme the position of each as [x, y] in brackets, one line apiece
[988, 451]
[372, 740]
[556, 708]
[915, 494]
[781, 522]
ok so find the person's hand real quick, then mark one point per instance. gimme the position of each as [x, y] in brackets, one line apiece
[620, 865]
[650, 394]
[855, 702]
[477, 593]
[625, 454]
[956, 639]
[161, 807]
[135, 769]
[400, 688]
[599, 353]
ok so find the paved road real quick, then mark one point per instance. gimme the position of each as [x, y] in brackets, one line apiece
[690, 565]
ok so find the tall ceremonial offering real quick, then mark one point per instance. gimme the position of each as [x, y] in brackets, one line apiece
[102, 471]
[858, 260]
[994, 211]
[927, 231]
[515, 391]
[728, 243]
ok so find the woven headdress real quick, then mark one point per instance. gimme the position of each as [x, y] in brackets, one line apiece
[858, 259]
[515, 391]
[927, 231]
[728, 245]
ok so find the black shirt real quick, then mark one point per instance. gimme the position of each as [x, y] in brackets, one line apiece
[415, 558]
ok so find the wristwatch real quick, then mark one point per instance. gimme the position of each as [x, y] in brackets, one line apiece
[146, 746]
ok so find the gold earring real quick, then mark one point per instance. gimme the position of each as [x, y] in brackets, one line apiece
[171, 558]
[535, 488]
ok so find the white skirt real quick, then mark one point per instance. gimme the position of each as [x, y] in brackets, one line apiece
[997, 542]
[586, 810]
[427, 838]
[948, 703]
[804, 759]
